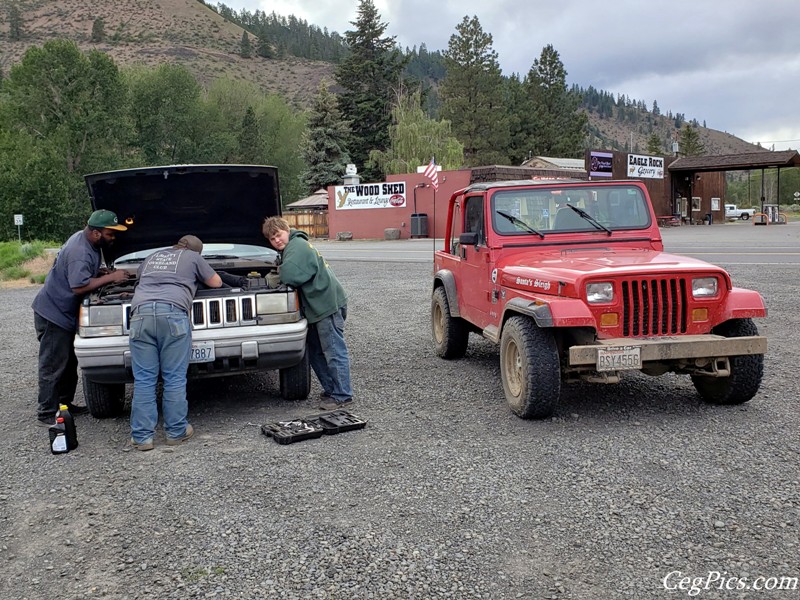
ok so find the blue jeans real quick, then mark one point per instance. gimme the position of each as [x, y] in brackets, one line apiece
[327, 353]
[160, 342]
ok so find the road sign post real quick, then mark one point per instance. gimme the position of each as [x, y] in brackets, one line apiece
[18, 220]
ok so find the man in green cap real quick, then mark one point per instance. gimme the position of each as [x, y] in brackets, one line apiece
[75, 272]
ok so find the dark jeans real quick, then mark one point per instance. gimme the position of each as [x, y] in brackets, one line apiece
[327, 352]
[58, 366]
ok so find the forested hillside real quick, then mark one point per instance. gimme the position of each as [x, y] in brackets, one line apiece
[285, 55]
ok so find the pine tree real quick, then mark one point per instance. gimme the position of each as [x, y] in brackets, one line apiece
[472, 95]
[654, 145]
[690, 143]
[557, 127]
[98, 30]
[324, 147]
[249, 138]
[368, 75]
[245, 48]
[15, 32]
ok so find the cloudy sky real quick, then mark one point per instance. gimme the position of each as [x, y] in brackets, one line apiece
[734, 64]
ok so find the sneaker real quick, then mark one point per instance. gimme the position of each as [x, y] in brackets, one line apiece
[46, 421]
[178, 440]
[144, 446]
[325, 397]
[334, 405]
[74, 409]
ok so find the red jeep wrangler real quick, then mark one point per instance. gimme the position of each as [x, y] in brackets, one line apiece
[571, 279]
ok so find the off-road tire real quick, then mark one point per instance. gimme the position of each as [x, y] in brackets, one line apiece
[746, 371]
[104, 400]
[295, 381]
[530, 368]
[744, 216]
[450, 334]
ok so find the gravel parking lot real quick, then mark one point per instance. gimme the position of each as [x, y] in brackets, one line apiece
[444, 494]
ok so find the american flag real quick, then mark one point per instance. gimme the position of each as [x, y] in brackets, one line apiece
[430, 173]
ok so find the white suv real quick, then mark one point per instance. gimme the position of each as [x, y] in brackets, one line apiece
[242, 327]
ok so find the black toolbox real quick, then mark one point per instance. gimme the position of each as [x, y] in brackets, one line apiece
[297, 430]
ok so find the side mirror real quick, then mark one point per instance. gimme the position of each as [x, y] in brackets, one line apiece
[468, 239]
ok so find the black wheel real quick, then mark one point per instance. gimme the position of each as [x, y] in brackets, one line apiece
[744, 216]
[746, 371]
[530, 368]
[296, 381]
[450, 334]
[104, 400]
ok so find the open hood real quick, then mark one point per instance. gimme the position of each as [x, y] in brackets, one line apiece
[217, 203]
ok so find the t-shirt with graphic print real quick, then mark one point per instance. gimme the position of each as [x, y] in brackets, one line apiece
[172, 276]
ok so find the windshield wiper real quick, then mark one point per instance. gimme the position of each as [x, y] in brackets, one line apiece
[220, 256]
[520, 223]
[129, 260]
[589, 218]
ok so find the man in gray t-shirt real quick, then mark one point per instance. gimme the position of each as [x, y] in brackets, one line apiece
[75, 272]
[161, 338]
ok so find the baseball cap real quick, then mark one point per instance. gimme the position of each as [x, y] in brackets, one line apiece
[105, 219]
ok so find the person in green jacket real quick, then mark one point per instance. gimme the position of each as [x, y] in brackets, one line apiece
[324, 304]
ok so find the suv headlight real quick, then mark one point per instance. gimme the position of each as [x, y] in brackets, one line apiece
[704, 287]
[100, 321]
[600, 293]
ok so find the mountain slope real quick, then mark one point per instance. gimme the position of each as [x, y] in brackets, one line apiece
[188, 32]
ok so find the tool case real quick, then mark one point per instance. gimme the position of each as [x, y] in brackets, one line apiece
[297, 430]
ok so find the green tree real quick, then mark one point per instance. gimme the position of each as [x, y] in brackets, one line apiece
[245, 48]
[557, 126]
[73, 101]
[14, 15]
[98, 30]
[264, 49]
[654, 144]
[367, 75]
[165, 104]
[324, 146]
[249, 138]
[690, 144]
[415, 138]
[472, 95]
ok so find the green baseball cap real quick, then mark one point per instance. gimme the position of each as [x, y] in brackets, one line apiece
[105, 219]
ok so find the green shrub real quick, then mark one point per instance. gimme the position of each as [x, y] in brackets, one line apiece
[15, 273]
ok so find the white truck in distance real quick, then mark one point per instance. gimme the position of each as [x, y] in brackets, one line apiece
[732, 213]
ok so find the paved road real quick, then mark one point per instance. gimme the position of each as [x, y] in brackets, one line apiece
[729, 244]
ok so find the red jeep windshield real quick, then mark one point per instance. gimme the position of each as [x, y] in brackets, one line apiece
[547, 209]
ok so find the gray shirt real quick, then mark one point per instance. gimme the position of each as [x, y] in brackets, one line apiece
[76, 263]
[171, 276]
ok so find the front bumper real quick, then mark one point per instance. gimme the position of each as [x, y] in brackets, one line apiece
[666, 349]
[237, 349]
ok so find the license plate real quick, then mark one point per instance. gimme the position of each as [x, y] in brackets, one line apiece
[202, 352]
[619, 358]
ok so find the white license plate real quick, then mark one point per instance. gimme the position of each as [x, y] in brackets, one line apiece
[619, 358]
[202, 352]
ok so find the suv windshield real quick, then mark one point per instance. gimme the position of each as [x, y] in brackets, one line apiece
[547, 209]
[211, 251]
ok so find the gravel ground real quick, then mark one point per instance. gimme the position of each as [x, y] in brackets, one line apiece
[444, 494]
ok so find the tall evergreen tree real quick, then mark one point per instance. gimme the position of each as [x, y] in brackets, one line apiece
[654, 144]
[690, 144]
[245, 48]
[324, 146]
[98, 30]
[557, 127]
[368, 75]
[14, 15]
[472, 95]
[249, 138]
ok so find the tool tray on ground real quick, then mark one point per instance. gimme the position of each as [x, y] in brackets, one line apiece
[330, 423]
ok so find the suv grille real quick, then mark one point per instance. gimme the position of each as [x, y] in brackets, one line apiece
[214, 312]
[654, 306]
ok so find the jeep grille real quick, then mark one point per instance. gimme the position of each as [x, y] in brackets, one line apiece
[654, 306]
[214, 312]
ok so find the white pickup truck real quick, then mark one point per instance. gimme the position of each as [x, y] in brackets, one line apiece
[732, 213]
